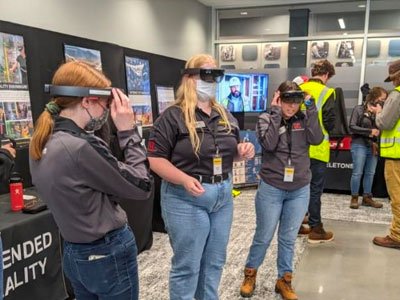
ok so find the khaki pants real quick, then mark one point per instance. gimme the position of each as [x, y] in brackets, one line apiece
[392, 177]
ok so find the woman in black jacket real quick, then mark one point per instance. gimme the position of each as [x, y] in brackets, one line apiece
[364, 147]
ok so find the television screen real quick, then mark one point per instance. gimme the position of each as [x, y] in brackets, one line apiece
[243, 92]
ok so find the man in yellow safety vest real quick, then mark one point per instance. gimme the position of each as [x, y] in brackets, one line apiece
[388, 120]
[324, 97]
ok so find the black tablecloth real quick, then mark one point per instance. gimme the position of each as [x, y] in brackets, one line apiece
[31, 254]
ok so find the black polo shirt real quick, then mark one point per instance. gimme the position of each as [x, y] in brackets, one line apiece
[170, 139]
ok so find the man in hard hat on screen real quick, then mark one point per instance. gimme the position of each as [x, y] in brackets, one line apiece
[235, 101]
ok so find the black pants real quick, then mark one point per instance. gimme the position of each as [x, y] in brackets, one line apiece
[318, 171]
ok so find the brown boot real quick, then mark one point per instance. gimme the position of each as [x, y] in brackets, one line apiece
[319, 235]
[368, 201]
[283, 286]
[304, 230]
[249, 283]
[354, 202]
[386, 241]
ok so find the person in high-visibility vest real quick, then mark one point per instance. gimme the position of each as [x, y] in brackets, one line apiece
[388, 121]
[324, 97]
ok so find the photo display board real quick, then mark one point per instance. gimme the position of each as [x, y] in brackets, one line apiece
[165, 97]
[90, 56]
[138, 81]
[15, 106]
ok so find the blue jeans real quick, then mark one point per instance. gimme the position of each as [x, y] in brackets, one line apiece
[1, 269]
[111, 275]
[198, 229]
[363, 162]
[318, 173]
[275, 206]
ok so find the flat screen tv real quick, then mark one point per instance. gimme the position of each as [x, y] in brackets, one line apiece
[243, 92]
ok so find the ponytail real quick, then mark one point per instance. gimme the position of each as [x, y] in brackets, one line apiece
[43, 129]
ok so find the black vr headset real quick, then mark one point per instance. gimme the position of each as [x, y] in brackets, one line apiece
[207, 75]
[292, 96]
[76, 91]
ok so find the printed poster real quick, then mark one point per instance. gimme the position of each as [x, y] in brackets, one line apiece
[138, 81]
[15, 106]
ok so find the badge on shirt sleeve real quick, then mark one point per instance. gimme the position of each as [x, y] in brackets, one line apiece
[288, 174]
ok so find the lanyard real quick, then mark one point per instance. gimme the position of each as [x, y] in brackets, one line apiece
[213, 132]
[288, 126]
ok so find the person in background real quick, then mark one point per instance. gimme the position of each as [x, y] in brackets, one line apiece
[285, 134]
[192, 148]
[235, 101]
[88, 182]
[388, 121]
[324, 97]
[364, 147]
[7, 156]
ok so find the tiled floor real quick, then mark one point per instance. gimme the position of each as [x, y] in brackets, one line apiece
[350, 267]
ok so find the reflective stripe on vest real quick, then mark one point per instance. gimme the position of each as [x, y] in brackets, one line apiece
[321, 93]
[390, 140]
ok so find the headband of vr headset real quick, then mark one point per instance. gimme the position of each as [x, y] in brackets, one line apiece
[207, 75]
[76, 91]
[292, 96]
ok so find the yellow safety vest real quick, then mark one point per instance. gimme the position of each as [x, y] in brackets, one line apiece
[320, 93]
[390, 140]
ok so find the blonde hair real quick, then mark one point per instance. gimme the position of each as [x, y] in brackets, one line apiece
[187, 99]
[72, 73]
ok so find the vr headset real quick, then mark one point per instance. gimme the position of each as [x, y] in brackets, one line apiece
[292, 97]
[76, 91]
[207, 75]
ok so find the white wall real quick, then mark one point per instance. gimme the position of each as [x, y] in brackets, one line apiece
[174, 28]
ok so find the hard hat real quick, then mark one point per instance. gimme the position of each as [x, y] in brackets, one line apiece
[234, 81]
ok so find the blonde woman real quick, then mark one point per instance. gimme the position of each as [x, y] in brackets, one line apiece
[192, 149]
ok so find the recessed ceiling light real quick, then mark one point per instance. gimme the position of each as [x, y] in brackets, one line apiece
[243, 13]
[341, 23]
[361, 6]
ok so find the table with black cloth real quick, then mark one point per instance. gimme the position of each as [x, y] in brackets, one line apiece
[338, 175]
[31, 254]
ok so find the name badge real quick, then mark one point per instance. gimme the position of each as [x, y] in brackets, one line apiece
[200, 124]
[288, 174]
[217, 164]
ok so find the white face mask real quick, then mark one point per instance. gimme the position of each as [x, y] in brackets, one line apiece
[205, 90]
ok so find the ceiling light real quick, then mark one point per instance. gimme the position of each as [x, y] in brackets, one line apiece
[344, 33]
[267, 29]
[361, 6]
[341, 23]
[243, 13]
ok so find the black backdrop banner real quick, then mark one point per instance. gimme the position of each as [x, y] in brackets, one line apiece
[45, 53]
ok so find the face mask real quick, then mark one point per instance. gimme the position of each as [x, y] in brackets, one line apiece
[96, 123]
[205, 90]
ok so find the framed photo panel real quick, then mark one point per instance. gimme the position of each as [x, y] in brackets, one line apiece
[90, 56]
[165, 97]
[15, 105]
[137, 72]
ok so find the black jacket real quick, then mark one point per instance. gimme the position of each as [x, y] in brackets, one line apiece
[361, 125]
